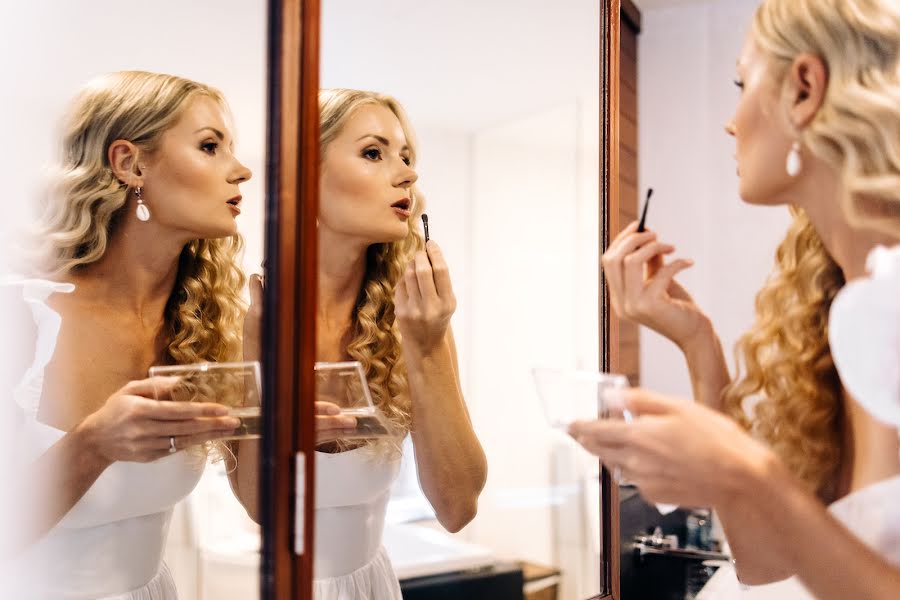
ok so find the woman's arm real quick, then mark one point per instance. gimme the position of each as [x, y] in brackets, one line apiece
[798, 535]
[451, 464]
[50, 486]
[774, 527]
[244, 478]
[642, 289]
[706, 365]
[129, 427]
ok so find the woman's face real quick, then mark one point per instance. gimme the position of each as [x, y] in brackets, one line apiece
[190, 181]
[366, 178]
[761, 130]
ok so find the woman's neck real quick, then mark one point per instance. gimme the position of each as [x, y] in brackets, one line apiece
[137, 272]
[342, 268]
[820, 198]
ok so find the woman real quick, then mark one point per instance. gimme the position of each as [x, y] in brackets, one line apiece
[139, 248]
[818, 79]
[385, 299]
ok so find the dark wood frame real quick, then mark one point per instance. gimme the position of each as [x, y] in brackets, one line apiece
[290, 304]
[609, 223]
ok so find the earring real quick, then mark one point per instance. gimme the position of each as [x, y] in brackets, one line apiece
[143, 213]
[794, 164]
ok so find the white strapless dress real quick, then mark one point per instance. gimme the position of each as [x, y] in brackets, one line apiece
[110, 544]
[352, 492]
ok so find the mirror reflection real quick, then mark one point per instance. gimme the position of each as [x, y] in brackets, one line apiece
[426, 109]
[140, 164]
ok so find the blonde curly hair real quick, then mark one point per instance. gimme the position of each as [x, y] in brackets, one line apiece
[82, 213]
[789, 370]
[857, 132]
[375, 338]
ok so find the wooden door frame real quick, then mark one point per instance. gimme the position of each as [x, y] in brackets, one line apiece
[610, 22]
[289, 340]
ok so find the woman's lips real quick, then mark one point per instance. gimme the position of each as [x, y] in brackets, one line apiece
[403, 212]
[234, 204]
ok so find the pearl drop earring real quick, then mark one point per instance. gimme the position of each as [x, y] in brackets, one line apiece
[794, 164]
[143, 213]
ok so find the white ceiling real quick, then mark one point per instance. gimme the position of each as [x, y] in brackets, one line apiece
[463, 63]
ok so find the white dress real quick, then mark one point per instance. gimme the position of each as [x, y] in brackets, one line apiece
[871, 513]
[110, 544]
[352, 492]
[864, 334]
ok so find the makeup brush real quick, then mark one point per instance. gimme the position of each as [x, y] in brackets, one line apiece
[644, 211]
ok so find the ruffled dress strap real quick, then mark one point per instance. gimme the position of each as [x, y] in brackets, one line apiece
[27, 394]
[864, 335]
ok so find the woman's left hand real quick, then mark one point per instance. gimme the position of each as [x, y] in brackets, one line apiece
[676, 451]
[424, 301]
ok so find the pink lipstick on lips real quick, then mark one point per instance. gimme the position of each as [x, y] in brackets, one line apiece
[402, 207]
[234, 204]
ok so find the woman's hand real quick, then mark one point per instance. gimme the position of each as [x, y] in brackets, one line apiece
[677, 451]
[424, 301]
[253, 320]
[330, 424]
[134, 426]
[643, 289]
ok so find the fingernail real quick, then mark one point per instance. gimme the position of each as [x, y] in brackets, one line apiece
[232, 422]
[220, 411]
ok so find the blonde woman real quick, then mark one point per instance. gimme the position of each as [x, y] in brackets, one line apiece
[139, 267]
[815, 129]
[385, 299]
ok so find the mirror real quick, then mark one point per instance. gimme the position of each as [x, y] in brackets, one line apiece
[201, 532]
[507, 161]
[677, 93]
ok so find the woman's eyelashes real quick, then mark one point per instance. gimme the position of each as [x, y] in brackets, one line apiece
[739, 84]
[209, 147]
[374, 153]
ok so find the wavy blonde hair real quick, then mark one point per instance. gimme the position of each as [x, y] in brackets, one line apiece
[83, 211]
[857, 132]
[374, 337]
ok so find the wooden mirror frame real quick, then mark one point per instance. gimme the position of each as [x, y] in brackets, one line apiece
[290, 305]
[610, 360]
[289, 336]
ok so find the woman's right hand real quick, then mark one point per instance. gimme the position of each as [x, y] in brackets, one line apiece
[643, 289]
[330, 424]
[136, 422]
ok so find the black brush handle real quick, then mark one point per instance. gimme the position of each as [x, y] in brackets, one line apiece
[644, 211]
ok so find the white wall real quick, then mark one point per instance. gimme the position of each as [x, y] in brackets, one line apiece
[534, 242]
[686, 59]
